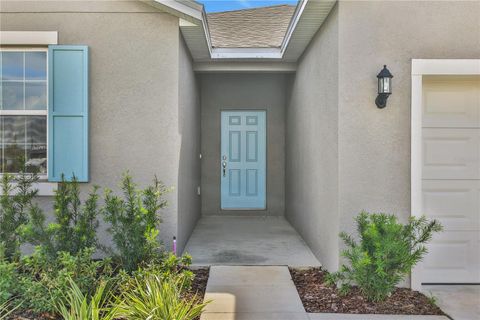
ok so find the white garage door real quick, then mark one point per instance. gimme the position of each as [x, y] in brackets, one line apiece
[451, 177]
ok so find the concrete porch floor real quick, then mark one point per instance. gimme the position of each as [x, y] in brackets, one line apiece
[461, 302]
[218, 240]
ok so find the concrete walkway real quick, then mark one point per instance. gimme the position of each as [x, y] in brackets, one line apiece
[220, 240]
[267, 293]
[252, 293]
[461, 302]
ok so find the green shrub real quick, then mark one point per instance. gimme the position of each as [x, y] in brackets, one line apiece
[43, 282]
[151, 297]
[385, 254]
[168, 266]
[15, 204]
[74, 228]
[79, 306]
[134, 220]
[8, 278]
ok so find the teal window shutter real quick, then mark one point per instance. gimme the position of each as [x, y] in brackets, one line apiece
[67, 112]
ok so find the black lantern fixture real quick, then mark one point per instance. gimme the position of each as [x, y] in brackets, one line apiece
[384, 87]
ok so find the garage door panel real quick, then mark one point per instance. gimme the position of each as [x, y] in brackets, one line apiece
[451, 153]
[450, 103]
[452, 258]
[455, 203]
[451, 177]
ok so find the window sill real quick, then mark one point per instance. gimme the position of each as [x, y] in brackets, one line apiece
[45, 188]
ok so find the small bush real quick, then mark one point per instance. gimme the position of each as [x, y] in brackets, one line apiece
[15, 205]
[151, 297]
[74, 228]
[168, 266]
[385, 254]
[43, 282]
[134, 220]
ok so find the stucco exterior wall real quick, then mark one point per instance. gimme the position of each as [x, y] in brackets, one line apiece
[189, 129]
[311, 145]
[374, 144]
[237, 92]
[134, 116]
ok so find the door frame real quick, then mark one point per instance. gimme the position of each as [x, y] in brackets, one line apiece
[420, 68]
[227, 109]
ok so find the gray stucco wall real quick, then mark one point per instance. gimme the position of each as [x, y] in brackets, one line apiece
[134, 121]
[189, 129]
[237, 92]
[374, 144]
[311, 145]
[358, 156]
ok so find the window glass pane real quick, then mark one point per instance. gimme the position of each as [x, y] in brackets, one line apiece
[36, 129]
[13, 129]
[35, 65]
[12, 65]
[36, 160]
[35, 95]
[14, 155]
[12, 95]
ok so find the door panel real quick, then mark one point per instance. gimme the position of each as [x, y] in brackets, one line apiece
[451, 102]
[450, 153]
[243, 160]
[451, 178]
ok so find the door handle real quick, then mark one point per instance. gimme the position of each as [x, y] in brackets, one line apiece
[224, 165]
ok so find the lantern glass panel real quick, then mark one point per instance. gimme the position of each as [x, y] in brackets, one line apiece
[386, 85]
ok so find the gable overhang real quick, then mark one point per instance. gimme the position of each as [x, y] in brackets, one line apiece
[309, 15]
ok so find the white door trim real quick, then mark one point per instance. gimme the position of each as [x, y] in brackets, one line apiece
[420, 68]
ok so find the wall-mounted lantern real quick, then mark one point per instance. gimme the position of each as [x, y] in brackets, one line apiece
[384, 87]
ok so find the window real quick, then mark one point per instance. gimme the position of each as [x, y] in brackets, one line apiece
[23, 110]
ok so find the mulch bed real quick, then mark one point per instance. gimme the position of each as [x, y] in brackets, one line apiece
[199, 285]
[29, 315]
[197, 290]
[317, 297]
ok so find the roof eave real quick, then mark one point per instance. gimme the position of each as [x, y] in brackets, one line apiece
[194, 12]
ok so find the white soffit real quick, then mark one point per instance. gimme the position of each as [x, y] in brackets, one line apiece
[307, 19]
[310, 19]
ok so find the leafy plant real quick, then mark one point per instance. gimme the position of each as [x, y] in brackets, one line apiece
[385, 253]
[8, 278]
[43, 282]
[168, 266]
[134, 220]
[75, 224]
[79, 306]
[6, 308]
[152, 297]
[15, 204]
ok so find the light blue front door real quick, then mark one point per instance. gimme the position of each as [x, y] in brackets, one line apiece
[243, 160]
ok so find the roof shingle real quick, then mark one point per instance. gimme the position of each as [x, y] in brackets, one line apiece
[250, 28]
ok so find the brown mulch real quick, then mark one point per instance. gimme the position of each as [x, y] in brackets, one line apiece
[199, 284]
[30, 315]
[317, 297]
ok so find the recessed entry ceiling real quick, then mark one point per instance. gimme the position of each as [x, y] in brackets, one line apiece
[273, 33]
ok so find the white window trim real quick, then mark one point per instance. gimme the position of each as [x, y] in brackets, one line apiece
[44, 187]
[420, 68]
[28, 38]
